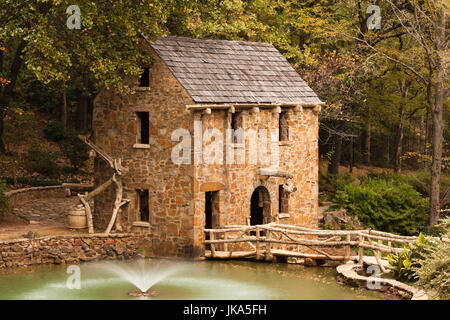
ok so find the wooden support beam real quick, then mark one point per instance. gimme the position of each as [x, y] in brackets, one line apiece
[242, 106]
[258, 244]
[276, 110]
[232, 109]
[360, 250]
[275, 173]
[213, 247]
[207, 111]
[268, 247]
[347, 248]
[85, 201]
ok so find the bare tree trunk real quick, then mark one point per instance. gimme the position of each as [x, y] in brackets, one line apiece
[333, 167]
[2, 126]
[118, 203]
[352, 154]
[1, 61]
[399, 142]
[438, 125]
[82, 110]
[64, 109]
[404, 88]
[368, 133]
[6, 95]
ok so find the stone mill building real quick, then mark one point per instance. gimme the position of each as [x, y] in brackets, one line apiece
[217, 133]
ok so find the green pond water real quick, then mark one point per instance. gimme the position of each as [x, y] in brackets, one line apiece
[231, 280]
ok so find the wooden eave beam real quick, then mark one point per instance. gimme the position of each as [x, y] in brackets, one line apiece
[241, 106]
[275, 173]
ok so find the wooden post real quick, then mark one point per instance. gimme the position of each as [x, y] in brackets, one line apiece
[85, 202]
[347, 249]
[225, 245]
[255, 110]
[258, 245]
[360, 250]
[268, 246]
[379, 252]
[376, 253]
[212, 236]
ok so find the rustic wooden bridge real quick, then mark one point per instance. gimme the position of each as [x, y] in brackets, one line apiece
[274, 241]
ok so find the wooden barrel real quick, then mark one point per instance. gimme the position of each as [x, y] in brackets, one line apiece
[77, 218]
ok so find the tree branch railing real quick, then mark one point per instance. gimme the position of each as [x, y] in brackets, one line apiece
[116, 179]
[265, 240]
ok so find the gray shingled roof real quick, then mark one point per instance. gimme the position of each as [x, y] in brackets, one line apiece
[222, 71]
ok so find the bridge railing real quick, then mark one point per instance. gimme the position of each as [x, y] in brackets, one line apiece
[271, 240]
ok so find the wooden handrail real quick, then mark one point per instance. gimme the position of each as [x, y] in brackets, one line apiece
[289, 235]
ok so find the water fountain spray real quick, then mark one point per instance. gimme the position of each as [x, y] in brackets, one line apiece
[143, 276]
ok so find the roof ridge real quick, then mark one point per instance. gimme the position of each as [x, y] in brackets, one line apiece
[175, 37]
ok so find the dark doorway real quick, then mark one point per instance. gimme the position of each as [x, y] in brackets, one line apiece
[259, 208]
[144, 212]
[208, 210]
[211, 213]
[143, 127]
[283, 200]
[283, 127]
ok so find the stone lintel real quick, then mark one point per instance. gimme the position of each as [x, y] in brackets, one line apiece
[211, 186]
[141, 146]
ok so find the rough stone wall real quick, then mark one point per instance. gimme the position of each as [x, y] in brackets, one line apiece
[16, 197]
[177, 192]
[169, 185]
[67, 249]
[299, 155]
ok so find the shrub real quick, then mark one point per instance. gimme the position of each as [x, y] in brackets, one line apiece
[385, 205]
[403, 264]
[331, 184]
[43, 162]
[433, 267]
[20, 126]
[3, 199]
[54, 130]
[75, 150]
[420, 181]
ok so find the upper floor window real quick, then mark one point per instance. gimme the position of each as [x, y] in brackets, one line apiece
[283, 126]
[143, 127]
[144, 80]
[234, 122]
[143, 205]
[283, 200]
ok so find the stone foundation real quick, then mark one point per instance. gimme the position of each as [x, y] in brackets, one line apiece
[68, 249]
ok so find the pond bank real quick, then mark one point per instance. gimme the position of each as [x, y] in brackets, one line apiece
[348, 274]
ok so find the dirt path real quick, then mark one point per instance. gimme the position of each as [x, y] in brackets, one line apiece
[43, 217]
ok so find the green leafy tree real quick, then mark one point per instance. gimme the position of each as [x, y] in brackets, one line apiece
[34, 35]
